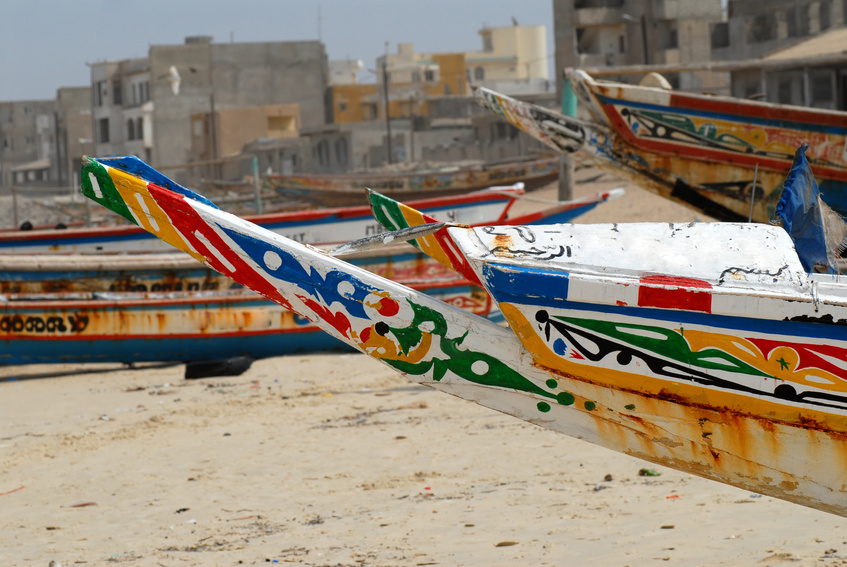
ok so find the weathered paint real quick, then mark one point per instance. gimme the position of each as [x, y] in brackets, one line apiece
[696, 402]
[324, 226]
[167, 272]
[395, 216]
[698, 150]
[349, 189]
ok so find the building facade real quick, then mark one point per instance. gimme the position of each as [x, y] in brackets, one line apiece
[618, 33]
[148, 106]
[28, 143]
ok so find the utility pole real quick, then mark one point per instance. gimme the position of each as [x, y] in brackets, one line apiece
[387, 110]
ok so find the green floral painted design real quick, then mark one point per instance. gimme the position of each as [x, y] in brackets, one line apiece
[476, 367]
[669, 343]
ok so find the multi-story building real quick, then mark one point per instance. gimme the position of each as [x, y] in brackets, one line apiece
[74, 129]
[145, 106]
[28, 143]
[754, 29]
[122, 112]
[618, 33]
[779, 50]
[513, 59]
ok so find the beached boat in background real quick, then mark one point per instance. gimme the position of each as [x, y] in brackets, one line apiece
[705, 347]
[337, 190]
[700, 150]
[167, 307]
[312, 226]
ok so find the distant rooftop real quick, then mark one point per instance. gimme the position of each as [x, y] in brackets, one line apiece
[830, 42]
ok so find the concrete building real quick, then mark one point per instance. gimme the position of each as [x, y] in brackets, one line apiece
[28, 143]
[428, 99]
[754, 29]
[75, 134]
[345, 71]
[810, 72]
[145, 106]
[618, 33]
[121, 109]
[218, 140]
[513, 59]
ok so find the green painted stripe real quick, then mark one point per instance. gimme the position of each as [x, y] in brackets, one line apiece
[111, 198]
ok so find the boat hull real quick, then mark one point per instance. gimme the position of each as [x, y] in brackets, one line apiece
[349, 190]
[684, 426]
[714, 154]
[314, 226]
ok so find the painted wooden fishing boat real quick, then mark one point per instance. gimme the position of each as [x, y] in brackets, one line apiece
[150, 314]
[336, 190]
[710, 348]
[174, 327]
[177, 272]
[700, 150]
[312, 226]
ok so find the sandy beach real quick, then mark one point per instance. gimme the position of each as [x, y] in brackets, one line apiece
[336, 460]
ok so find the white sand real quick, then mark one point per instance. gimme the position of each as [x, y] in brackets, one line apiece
[337, 460]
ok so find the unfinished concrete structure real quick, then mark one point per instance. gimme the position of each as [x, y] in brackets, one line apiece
[145, 106]
[617, 33]
[28, 143]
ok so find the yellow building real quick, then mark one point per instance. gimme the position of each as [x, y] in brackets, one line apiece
[516, 54]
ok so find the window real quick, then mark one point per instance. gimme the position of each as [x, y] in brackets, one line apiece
[479, 74]
[784, 90]
[139, 128]
[429, 76]
[720, 35]
[341, 151]
[134, 93]
[323, 152]
[821, 86]
[762, 28]
[673, 38]
[342, 107]
[30, 140]
[117, 95]
[369, 111]
[100, 92]
[825, 14]
[797, 18]
[103, 131]
[130, 129]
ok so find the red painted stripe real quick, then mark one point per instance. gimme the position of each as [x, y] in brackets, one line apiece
[742, 108]
[183, 215]
[701, 153]
[669, 292]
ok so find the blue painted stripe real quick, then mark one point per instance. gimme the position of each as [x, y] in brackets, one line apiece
[791, 125]
[541, 288]
[134, 166]
[512, 284]
[26, 351]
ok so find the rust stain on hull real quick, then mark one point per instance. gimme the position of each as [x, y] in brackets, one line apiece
[771, 457]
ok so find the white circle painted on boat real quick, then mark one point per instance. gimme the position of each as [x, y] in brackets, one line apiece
[346, 289]
[479, 367]
[272, 260]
